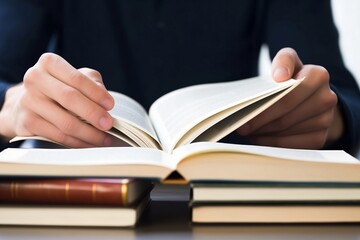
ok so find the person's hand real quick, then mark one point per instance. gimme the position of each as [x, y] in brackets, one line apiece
[308, 117]
[58, 102]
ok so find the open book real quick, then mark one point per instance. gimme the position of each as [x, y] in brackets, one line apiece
[180, 134]
[196, 162]
[206, 112]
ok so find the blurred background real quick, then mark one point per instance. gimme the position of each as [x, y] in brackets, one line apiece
[347, 19]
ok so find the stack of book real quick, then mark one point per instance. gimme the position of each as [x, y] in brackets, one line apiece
[73, 201]
[278, 185]
[265, 202]
[315, 185]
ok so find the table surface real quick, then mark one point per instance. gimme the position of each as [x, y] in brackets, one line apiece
[168, 218]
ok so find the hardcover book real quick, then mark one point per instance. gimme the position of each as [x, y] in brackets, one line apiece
[69, 215]
[276, 213]
[270, 202]
[73, 202]
[275, 192]
[73, 191]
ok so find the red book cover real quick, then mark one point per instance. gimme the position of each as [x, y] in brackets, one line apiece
[73, 191]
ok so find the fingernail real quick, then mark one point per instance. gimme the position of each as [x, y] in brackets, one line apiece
[281, 73]
[105, 123]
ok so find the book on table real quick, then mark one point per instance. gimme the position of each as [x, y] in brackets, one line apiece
[275, 202]
[276, 213]
[274, 192]
[72, 215]
[120, 192]
[73, 201]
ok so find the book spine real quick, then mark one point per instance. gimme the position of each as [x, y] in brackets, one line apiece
[64, 192]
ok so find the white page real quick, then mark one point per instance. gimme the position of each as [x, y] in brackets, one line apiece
[232, 118]
[131, 112]
[330, 156]
[177, 112]
[87, 156]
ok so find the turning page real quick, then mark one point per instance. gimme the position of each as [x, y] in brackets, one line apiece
[131, 122]
[183, 115]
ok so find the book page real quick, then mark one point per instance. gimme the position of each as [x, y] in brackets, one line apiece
[131, 119]
[86, 162]
[321, 156]
[176, 113]
[212, 161]
[223, 123]
[131, 124]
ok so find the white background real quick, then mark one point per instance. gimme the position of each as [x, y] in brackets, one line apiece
[347, 19]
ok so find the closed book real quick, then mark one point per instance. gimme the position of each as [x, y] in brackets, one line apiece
[274, 192]
[72, 216]
[275, 213]
[73, 191]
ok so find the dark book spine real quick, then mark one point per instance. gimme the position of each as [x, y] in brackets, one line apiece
[64, 192]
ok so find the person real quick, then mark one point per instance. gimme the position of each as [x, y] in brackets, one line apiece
[58, 58]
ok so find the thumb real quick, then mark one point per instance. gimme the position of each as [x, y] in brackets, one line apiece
[285, 64]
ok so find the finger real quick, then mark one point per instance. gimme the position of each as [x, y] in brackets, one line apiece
[66, 122]
[285, 64]
[60, 69]
[319, 106]
[69, 98]
[311, 140]
[317, 123]
[41, 127]
[318, 77]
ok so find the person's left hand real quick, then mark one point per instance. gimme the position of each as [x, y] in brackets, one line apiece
[308, 117]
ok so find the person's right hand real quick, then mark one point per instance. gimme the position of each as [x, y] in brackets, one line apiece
[58, 102]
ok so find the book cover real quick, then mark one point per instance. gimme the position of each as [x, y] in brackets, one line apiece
[73, 191]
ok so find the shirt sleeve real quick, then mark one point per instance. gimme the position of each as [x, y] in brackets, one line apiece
[308, 27]
[26, 29]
